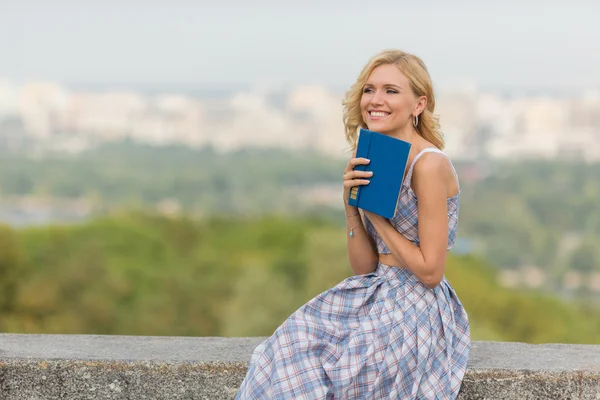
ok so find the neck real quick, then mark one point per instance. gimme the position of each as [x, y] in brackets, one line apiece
[407, 133]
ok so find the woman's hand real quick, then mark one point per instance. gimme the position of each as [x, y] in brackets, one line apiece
[355, 178]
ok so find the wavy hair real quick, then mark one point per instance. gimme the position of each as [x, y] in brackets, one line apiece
[415, 70]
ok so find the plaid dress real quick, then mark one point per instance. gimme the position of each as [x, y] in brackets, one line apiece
[381, 335]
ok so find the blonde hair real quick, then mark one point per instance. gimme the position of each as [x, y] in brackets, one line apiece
[418, 75]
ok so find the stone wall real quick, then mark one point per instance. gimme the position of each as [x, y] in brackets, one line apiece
[36, 367]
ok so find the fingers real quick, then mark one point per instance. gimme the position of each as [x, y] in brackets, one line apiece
[358, 174]
[356, 178]
[357, 161]
[355, 182]
[354, 162]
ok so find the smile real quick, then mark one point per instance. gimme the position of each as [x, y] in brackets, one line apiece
[378, 114]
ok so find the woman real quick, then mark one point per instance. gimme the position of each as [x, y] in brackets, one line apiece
[395, 330]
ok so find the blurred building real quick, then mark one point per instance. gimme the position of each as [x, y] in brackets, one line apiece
[476, 124]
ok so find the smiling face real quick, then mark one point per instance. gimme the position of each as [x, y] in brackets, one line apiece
[388, 103]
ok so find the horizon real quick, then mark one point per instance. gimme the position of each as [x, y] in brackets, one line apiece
[194, 89]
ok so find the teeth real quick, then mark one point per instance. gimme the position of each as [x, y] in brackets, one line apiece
[378, 114]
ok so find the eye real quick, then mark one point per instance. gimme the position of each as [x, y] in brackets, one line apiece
[367, 90]
[392, 91]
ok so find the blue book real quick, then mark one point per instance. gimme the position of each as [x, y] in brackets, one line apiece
[389, 158]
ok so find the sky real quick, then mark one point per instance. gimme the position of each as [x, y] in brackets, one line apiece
[507, 43]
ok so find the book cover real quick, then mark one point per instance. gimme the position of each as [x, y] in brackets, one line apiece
[389, 157]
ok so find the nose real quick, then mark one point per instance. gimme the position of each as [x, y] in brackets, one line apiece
[377, 98]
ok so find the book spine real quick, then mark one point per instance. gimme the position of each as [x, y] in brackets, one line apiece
[362, 150]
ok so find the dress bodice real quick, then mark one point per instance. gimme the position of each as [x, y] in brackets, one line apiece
[405, 220]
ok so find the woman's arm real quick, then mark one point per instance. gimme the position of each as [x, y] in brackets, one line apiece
[428, 261]
[362, 252]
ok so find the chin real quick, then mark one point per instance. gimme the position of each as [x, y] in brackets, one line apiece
[381, 128]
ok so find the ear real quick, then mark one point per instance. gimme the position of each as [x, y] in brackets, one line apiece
[420, 105]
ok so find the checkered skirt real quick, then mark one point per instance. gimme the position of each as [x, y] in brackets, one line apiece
[381, 335]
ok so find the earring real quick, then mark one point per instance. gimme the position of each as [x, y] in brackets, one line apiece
[416, 121]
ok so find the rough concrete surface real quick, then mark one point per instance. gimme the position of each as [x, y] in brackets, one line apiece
[36, 367]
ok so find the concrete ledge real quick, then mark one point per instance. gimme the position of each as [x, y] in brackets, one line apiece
[128, 367]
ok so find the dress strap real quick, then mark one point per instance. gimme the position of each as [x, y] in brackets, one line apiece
[427, 150]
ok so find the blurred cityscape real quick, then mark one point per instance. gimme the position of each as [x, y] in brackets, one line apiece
[476, 123]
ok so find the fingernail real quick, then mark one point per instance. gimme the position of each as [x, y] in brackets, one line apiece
[370, 172]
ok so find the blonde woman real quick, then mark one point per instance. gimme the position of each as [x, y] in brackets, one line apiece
[396, 329]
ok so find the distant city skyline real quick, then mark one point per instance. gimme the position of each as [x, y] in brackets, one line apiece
[475, 123]
[500, 45]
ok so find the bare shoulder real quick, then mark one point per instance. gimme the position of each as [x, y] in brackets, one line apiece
[434, 169]
[432, 162]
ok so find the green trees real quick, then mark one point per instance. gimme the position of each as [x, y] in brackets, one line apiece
[585, 258]
[144, 274]
[11, 268]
